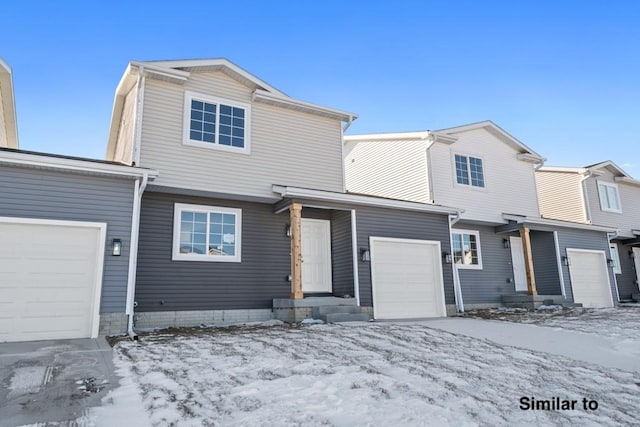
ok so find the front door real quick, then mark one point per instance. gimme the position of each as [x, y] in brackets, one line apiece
[636, 260]
[316, 256]
[517, 259]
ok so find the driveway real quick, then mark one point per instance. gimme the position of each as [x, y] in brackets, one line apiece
[53, 381]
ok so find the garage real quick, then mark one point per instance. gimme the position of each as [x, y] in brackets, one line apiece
[406, 277]
[50, 278]
[589, 278]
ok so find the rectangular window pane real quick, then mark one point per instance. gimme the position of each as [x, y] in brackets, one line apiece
[237, 142]
[238, 112]
[477, 174]
[224, 140]
[602, 192]
[225, 109]
[225, 120]
[457, 248]
[462, 176]
[612, 193]
[197, 105]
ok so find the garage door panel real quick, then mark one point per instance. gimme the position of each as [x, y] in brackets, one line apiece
[589, 278]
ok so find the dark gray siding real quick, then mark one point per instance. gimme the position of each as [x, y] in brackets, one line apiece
[545, 263]
[36, 193]
[382, 222]
[626, 280]
[166, 285]
[341, 253]
[583, 239]
[487, 286]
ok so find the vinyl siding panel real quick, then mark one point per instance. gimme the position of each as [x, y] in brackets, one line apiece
[124, 142]
[626, 280]
[626, 221]
[393, 169]
[287, 147]
[510, 185]
[545, 263]
[31, 193]
[166, 285]
[487, 286]
[404, 225]
[3, 126]
[560, 196]
[341, 253]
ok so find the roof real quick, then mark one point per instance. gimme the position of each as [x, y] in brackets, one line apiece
[517, 221]
[178, 71]
[8, 135]
[619, 174]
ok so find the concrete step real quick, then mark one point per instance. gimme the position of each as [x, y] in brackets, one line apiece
[572, 305]
[635, 297]
[318, 312]
[346, 317]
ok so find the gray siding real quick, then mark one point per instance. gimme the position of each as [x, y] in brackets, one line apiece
[545, 263]
[487, 286]
[626, 280]
[583, 239]
[31, 193]
[404, 225]
[341, 253]
[166, 285]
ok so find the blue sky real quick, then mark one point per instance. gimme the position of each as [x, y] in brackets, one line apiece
[561, 76]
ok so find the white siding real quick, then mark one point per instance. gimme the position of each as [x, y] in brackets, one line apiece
[3, 129]
[626, 221]
[124, 143]
[287, 147]
[560, 196]
[510, 185]
[395, 169]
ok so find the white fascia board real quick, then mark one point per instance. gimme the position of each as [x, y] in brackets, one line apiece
[562, 169]
[627, 180]
[387, 136]
[61, 163]
[125, 85]
[526, 157]
[357, 199]
[556, 223]
[167, 73]
[270, 98]
[8, 104]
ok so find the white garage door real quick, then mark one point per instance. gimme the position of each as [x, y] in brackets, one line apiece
[406, 278]
[590, 278]
[50, 279]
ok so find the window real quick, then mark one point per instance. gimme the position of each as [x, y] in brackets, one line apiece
[466, 249]
[469, 171]
[216, 123]
[206, 233]
[609, 198]
[615, 257]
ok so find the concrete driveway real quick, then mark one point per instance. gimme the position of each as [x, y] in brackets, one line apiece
[53, 381]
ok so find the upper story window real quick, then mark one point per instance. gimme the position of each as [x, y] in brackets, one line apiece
[609, 197]
[466, 249]
[216, 123]
[206, 233]
[469, 171]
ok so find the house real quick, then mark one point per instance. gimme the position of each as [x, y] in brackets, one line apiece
[602, 193]
[249, 218]
[8, 122]
[504, 252]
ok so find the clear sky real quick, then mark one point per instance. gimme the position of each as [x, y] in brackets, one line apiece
[561, 76]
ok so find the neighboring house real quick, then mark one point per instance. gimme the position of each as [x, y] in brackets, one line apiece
[503, 250]
[8, 123]
[249, 213]
[605, 194]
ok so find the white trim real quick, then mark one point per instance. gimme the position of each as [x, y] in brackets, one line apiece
[8, 106]
[556, 242]
[615, 256]
[455, 171]
[606, 184]
[636, 263]
[467, 266]
[137, 138]
[284, 101]
[438, 262]
[387, 136]
[100, 252]
[177, 256]
[562, 169]
[457, 288]
[354, 250]
[186, 123]
[604, 259]
[555, 223]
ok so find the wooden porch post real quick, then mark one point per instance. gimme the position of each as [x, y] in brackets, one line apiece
[528, 261]
[295, 213]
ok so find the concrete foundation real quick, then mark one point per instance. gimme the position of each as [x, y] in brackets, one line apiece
[112, 324]
[176, 319]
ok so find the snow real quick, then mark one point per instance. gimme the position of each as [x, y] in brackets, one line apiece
[27, 379]
[352, 375]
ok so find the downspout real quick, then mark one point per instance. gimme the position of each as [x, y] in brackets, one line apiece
[346, 125]
[457, 289]
[610, 237]
[138, 190]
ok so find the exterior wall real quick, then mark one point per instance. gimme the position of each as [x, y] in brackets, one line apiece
[510, 185]
[629, 198]
[560, 195]
[166, 285]
[287, 147]
[404, 225]
[487, 286]
[3, 126]
[124, 142]
[341, 253]
[545, 263]
[627, 280]
[33, 193]
[396, 169]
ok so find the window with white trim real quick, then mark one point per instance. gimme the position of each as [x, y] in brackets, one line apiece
[216, 123]
[466, 249]
[615, 257]
[609, 197]
[206, 233]
[469, 171]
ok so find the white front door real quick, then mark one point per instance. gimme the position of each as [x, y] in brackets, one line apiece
[636, 260]
[517, 259]
[316, 255]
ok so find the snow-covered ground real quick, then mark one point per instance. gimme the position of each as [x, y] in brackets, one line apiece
[618, 323]
[377, 374]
